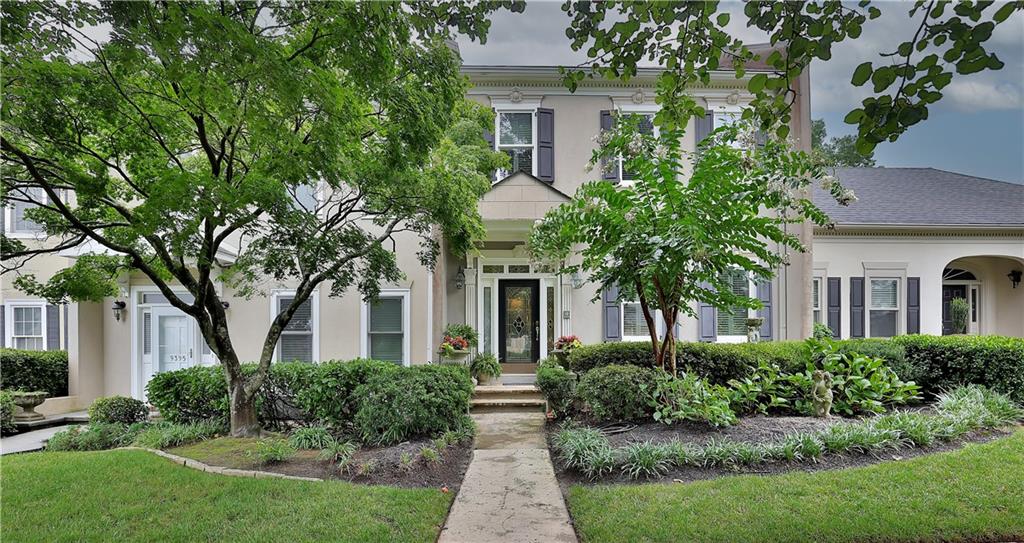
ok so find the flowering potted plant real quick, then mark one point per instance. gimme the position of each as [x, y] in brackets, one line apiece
[563, 347]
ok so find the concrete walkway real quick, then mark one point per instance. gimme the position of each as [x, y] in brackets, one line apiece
[29, 441]
[510, 492]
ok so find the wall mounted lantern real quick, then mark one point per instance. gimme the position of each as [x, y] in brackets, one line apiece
[1014, 277]
[577, 280]
[118, 307]
[460, 279]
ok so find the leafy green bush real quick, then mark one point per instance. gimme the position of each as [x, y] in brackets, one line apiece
[617, 392]
[688, 398]
[947, 361]
[190, 395]
[620, 353]
[766, 388]
[97, 436]
[717, 362]
[331, 398]
[6, 413]
[413, 401]
[271, 451]
[163, 435]
[118, 409]
[311, 438]
[558, 386]
[46, 371]
[891, 352]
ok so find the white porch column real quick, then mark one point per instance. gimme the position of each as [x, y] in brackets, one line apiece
[471, 295]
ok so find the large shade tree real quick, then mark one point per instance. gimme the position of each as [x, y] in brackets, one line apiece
[305, 135]
[669, 238]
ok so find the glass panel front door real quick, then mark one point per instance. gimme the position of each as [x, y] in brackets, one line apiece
[519, 321]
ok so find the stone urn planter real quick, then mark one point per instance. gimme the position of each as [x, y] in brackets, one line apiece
[28, 401]
[754, 330]
[457, 357]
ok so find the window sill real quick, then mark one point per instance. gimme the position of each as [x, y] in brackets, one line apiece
[731, 339]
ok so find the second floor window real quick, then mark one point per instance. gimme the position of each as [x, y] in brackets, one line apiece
[515, 138]
[646, 127]
[17, 223]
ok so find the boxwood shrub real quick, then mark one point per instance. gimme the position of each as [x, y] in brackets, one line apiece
[621, 353]
[558, 385]
[190, 395]
[119, 410]
[617, 392]
[412, 401]
[946, 361]
[34, 370]
[6, 413]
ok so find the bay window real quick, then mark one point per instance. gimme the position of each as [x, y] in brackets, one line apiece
[883, 312]
[516, 139]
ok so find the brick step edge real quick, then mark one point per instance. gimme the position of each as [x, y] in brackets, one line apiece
[505, 389]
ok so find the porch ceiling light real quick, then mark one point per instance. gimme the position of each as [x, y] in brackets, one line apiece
[118, 307]
[577, 280]
[460, 279]
[1014, 276]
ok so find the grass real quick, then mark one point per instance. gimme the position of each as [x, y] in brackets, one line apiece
[136, 496]
[976, 493]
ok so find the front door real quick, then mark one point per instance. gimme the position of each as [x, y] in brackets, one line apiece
[949, 292]
[173, 341]
[519, 321]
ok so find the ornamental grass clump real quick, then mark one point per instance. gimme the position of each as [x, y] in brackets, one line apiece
[311, 438]
[271, 451]
[339, 453]
[645, 459]
[163, 435]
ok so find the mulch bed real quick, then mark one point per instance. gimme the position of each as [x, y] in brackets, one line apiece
[382, 465]
[753, 429]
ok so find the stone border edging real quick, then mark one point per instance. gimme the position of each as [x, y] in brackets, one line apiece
[197, 465]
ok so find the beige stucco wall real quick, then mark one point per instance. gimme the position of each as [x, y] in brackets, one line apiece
[926, 256]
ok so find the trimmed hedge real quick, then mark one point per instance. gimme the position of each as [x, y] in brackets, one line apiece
[118, 410]
[412, 400]
[32, 371]
[996, 362]
[558, 385]
[618, 392]
[6, 413]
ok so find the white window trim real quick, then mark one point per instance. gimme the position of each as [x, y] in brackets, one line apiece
[533, 136]
[364, 323]
[818, 280]
[314, 299]
[635, 109]
[899, 306]
[9, 306]
[751, 313]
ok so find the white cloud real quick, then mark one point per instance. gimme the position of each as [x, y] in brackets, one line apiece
[981, 95]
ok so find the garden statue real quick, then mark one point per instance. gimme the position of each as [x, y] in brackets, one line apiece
[821, 393]
[754, 329]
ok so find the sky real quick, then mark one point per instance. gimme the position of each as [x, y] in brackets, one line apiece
[976, 129]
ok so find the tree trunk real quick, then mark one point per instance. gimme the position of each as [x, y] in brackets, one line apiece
[244, 422]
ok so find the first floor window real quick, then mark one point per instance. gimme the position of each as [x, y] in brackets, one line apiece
[634, 326]
[27, 328]
[386, 329]
[515, 138]
[733, 322]
[296, 342]
[884, 310]
[816, 299]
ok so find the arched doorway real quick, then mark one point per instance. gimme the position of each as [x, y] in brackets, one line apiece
[996, 303]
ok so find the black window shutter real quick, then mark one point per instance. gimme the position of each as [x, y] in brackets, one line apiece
[764, 294]
[835, 287]
[52, 328]
[609, 172]
[913, 305]
[703, 126]
[856, 307]
[707, 316]
[612, 314]
[546, 144]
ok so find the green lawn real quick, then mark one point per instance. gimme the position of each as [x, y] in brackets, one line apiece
[976, 493]
[137, 496]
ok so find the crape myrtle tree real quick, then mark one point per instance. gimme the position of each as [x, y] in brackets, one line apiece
[669, 239]
[690, 40]
[192, 126]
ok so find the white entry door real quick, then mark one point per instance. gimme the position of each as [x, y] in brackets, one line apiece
[174, 339]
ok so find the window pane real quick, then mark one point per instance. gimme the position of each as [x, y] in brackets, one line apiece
[28, 321]
[817, 316]
[302, 319]
[296, 347]
[883, 293]
[305, 196]
[28, 343]
[386, 347]
[519, 268]
[516, 129]
[883, 323]
[494, 268]
[816, 289]
[147, 333]
[159, 298]
[521, 159]
[633, 322]
[486, 336]
[386, 315]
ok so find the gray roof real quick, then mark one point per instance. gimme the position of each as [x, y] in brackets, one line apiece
[924, 197]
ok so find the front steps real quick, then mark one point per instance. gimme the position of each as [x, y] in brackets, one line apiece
[507, 398]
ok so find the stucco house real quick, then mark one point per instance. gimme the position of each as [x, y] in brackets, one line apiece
[520, 307]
